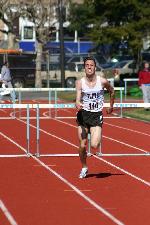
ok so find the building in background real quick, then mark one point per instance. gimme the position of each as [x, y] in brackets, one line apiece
[25, 31]
[73, 44]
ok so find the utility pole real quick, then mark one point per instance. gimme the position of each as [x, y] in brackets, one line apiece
[61, 39]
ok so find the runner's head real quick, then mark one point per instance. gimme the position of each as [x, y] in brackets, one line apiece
[89, 66]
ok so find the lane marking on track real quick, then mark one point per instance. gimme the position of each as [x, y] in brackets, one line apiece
[15, 143]
[124, 143]
[47, 165]
[3, 110]
[122, 170]
[147, 183]
[124, 128]
[7, 213]
[70, 190]
[80, 193]
[111, 164]
[49, 134]
[125, 171]
[120, 142]
[112, 139]
[89, 200]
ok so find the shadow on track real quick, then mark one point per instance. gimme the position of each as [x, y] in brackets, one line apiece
[103, 175]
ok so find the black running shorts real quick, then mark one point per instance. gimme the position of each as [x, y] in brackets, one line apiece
[89, 119]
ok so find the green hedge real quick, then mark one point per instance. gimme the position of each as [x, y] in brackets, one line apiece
[135, 92]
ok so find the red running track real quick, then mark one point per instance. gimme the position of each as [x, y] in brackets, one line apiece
[46, 190]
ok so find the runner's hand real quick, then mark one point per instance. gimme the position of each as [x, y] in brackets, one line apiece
[79, 105]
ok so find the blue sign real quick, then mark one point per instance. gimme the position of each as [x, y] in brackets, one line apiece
[70, 46]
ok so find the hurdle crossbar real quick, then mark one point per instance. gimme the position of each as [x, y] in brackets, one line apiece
[71, 105]
[58, 155]
[14, 155]
[123, 154]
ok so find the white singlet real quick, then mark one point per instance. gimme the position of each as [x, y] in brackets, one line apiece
[92, 98]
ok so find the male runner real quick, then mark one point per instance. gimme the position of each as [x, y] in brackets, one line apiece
[89, 103]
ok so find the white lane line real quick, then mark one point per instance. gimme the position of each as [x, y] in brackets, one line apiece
[80, 193]
[49, 134]
[124, 128]
[7, 213]
[69, 143]
[112, 139]
[124, 171]
[15, 143]
[124, 143]
[70, 190]
[120, 127]
[3, 110]
[52, 135]
[111, 164]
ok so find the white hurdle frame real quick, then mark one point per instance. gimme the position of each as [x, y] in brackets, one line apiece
[37, 107]
[99, 153]
[62, 106]
[55, 90]
[125, 84]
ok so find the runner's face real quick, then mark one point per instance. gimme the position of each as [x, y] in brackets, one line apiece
[90, 67]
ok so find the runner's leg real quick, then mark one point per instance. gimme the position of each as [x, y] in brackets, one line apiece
[95, 136]
[82, 134]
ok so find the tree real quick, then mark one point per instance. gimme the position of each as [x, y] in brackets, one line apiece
[39, 12]
[81, 15]
[125, 19]
[9, 13]
[114, 20]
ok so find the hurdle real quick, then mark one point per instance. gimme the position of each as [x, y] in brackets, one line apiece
[37, 107]
[101, 154]
[125, 84]
[27, 107]
[120, 89]
[51, 96]
[55, 106]
[89, 153]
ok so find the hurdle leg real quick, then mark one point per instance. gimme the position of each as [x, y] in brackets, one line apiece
[19, 96]
[89, 144]
[121, 108]
[14, 113]
[99, 153]
[49, 101]
[55, 103]
[37, 132]
[28, 131]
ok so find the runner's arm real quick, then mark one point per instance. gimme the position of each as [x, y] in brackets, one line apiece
[111, 91]
[78, 95]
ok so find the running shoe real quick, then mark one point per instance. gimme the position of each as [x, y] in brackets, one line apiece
[83, 172]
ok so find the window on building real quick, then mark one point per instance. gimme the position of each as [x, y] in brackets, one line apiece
[28, 32]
